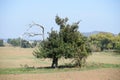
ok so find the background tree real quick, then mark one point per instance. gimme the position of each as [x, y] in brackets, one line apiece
[67, 43]
[21, 43]
[103, 40]
[25, 44]
[14, 42]
[117, 42]
[1, 42]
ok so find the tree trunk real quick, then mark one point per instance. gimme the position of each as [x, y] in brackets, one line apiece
[54, 62]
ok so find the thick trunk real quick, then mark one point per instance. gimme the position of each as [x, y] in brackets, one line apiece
[54, 63]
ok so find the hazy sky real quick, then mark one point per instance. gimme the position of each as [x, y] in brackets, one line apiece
[96, 15]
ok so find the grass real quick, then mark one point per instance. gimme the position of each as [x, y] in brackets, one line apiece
[11, 60]
[100, 65]
[23, 70]
[104, 57]
[31, 70]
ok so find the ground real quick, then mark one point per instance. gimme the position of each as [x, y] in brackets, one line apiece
[14, 57]
[99, 74]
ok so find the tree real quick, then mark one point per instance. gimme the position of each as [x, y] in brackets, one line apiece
[34, 43]
[117, 42]
[50, 48]
[103, 40]
[21, 43]
[67, 43]
[14, 42]
[25, 44]
[1, 42]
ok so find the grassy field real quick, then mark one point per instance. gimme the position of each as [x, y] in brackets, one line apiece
[11, 57]
[15, 60]
[15, 57]
[104, 57]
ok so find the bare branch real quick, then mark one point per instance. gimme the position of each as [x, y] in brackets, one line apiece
[35, 34]
[38, 25]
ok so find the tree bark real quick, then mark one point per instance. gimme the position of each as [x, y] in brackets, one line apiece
[54, 62]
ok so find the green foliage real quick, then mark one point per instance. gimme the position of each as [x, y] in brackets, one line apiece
[67, 43]
[103, 41]
[25, 44]
[14, 42]
[117, 46]
[117, 42]
[21, 43]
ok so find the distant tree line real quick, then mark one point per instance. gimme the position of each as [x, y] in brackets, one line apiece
[104, 41]
[22, 43]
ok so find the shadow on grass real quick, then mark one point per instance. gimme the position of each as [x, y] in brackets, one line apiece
[48, 67]
[71, 66]
[28, 69]
[62, 68]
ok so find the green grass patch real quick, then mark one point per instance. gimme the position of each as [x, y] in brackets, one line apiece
[29, 70]
[24, 70]
[100, 65]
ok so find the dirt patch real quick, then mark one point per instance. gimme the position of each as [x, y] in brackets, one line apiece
[100, 74]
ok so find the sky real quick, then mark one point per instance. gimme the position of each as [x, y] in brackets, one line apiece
[96, 15]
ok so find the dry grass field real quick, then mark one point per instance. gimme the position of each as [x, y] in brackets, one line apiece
[104, 57]
[14, 57]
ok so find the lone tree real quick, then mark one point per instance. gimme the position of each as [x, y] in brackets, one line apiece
[67, 43]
